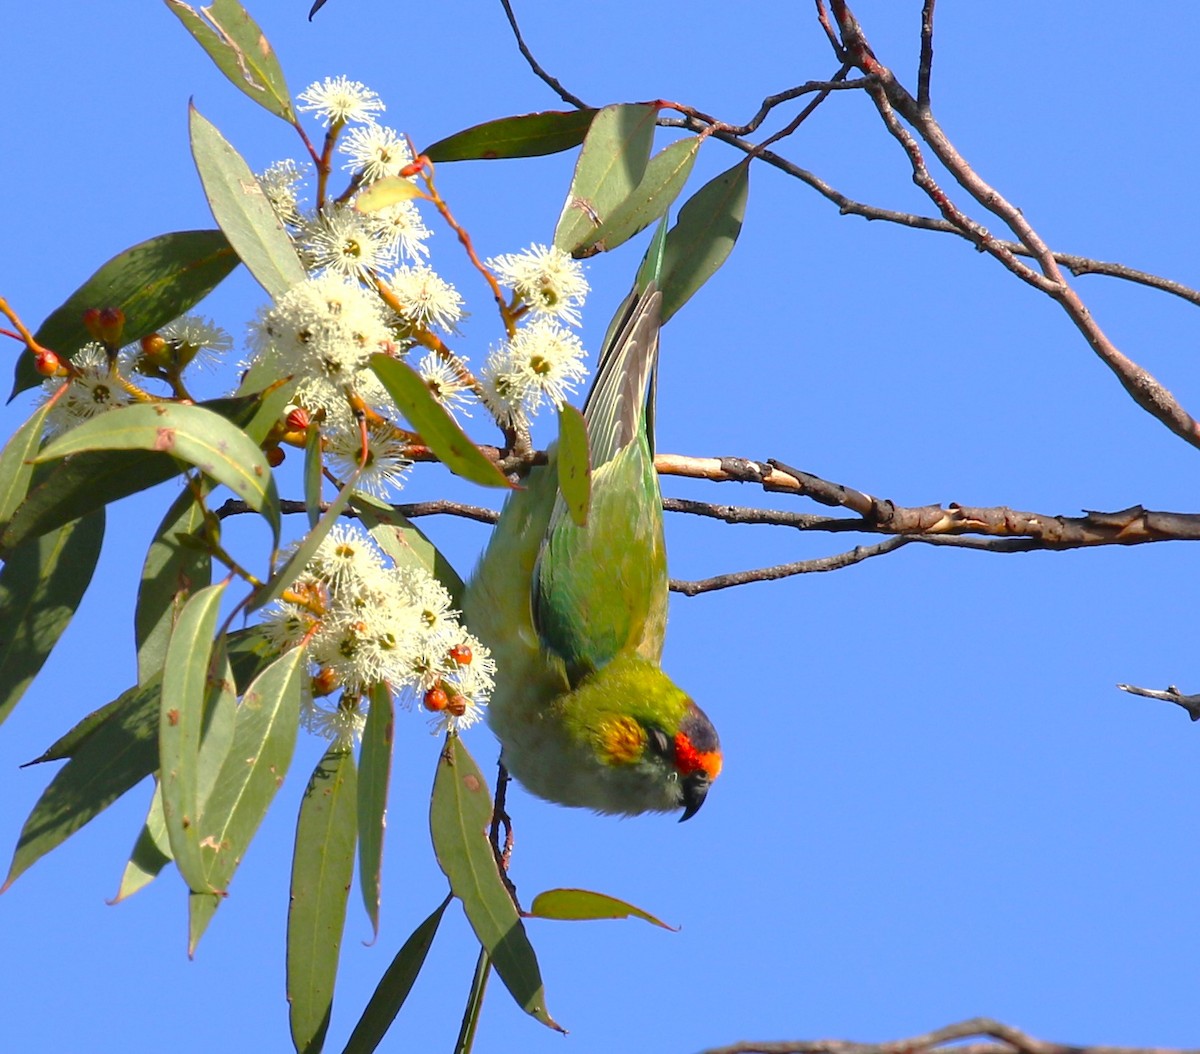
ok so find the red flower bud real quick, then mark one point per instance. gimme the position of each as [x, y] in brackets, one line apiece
[46, 363]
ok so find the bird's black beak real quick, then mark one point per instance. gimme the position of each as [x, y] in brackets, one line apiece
[695, 790]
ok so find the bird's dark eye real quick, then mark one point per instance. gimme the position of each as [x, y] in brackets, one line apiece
[660, 743]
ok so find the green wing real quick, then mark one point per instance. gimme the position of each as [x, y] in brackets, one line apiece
[601, 590]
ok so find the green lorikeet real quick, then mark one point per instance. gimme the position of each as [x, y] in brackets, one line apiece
[575, 616]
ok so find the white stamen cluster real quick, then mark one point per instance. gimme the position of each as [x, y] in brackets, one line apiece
[93, 390]
[322, 332]
[364, 624]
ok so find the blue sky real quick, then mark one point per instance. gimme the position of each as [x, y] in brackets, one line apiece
[935, 802]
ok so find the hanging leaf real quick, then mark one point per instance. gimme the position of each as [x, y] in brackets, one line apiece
[173, 570]
[64, 490]
[251, 651]
[185, 691]
[406, 544]
[193, 434]
[394, 986]
[470, 1021]
[253, 768]
[574, 463]
[16, 461]
[527, 135]
[151, 852]
[236, 44]
[459, 815]
[580, 904]
[665, 177]
[41, 586]
[153, 283]
[117, 752]
[611, 164]
[69, 742]
[242, 210]
[438, 430]
[374, 777]
[703, 236]
[312, 475]
[322, 868]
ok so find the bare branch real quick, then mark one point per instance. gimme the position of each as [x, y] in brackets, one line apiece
[1191, 703]
[1005, 1040]
[891, 98]
[553, 83]
[799, 567]
[926, 66]
[847, 206]
[412, 510]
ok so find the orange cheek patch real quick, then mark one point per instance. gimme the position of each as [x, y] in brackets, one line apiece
[688, 759]
[622, 740]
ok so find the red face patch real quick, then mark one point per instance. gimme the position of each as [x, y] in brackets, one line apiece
[689, 760]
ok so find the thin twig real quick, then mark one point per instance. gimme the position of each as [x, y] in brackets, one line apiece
[891, 98]
[1007, 1040]
[553, 83]
[799, 567]
[925, 68]
[411, 510]
[1191, 703]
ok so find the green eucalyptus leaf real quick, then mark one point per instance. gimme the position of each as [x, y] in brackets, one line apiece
[322, 868]
[312, 475]
[704, 234]
[459, 815]
[16, 461]
[117, 752]
[406, 544]
[251, 771]
[172, 571]
[374, 777]
[185, 692]
[394, 986]
[242, 210]
[41, 585]
[470, 1020]
[578, 904]
[665, 176]
[153, 283]
[437, 428]
[64, 490]
[192, 434]
[526, 135]
[151, 852]
[240, 50]
[611, 164]
[251, 651]
[574, 463]
[69, 742]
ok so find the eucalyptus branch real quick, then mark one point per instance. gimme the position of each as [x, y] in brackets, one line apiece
[411, 510]
[733, 135]
[552, 82]
[992, 529]
[892, 99]
[1191, 703]
[936, 524]
[799, 567]
[994, 1038]
[847, 206]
